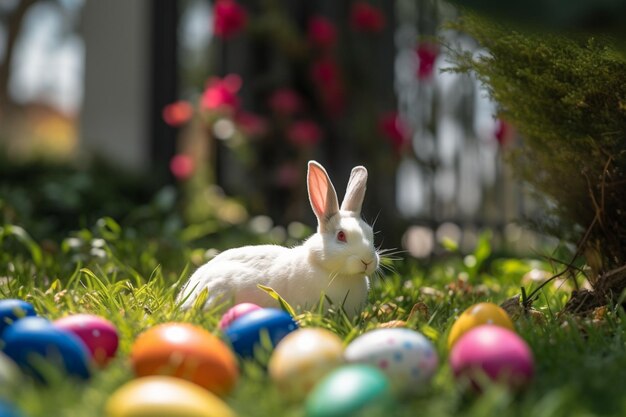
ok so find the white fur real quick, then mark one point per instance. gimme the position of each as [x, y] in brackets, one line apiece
[321, 265]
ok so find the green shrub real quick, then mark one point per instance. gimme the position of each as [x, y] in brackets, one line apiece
[566, 95]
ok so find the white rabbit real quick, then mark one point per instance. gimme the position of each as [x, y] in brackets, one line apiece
[335, 261]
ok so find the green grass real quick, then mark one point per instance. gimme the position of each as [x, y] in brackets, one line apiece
[131, 279]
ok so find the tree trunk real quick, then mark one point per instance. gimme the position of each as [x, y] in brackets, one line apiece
[14, 27]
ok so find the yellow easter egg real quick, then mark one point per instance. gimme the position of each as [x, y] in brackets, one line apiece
[165, 396]
[302, 358]
[477, 315]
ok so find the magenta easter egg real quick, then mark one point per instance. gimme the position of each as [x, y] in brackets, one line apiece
[493, 352]
[236, 312]
[98, 334]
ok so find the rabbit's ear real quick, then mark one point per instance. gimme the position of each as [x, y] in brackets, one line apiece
[321, 194]
[355, 192]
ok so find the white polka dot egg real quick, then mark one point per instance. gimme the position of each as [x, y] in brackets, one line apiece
[407, 357]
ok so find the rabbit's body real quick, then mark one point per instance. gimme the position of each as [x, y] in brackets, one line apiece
[335, 261]
[235, 274]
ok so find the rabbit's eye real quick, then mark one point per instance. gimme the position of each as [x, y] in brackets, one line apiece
[341, 236]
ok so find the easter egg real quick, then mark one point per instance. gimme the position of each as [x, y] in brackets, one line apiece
[185, 351]
[8, 370]
[35, 344]
[407, 357]
[352, 390]
[476, 315]
[12, 310]
[164, 396]
[7, 410]
[304, 357]
[235, 312]
[493, 352]
[98, 334]
[245, 333]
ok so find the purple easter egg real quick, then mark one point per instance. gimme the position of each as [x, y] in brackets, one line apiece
[493, 352]
[98, 334]
[235, 312]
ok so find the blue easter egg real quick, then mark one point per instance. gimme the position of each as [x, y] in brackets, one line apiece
[7, 410]
[12, 310]
[32, 339]
[246, 332]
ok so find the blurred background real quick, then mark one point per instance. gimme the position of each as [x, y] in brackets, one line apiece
[211, 109]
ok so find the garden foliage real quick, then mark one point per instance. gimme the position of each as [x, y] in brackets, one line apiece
[566, 95]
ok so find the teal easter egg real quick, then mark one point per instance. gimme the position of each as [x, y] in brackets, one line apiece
[351, 391]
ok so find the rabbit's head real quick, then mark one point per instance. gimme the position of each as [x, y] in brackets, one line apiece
[344, 243]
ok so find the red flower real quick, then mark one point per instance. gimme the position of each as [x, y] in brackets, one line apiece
[287, 175]
[251, 124]
[182, 166]
[221, 94]
[326, 75]
[304, 133]
[322, 32]
[285, 102]
[325, 71]
[334, 99]
[504, 132]
[178, 113]
[395, 130]
[366, 18]
[229, 18]
[427, 55]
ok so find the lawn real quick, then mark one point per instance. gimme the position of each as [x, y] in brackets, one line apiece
[131, 279]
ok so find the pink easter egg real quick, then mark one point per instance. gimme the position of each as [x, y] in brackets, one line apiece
[98, 334]
[493, 352]
[235, 312]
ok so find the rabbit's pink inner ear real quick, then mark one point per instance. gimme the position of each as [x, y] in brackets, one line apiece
[321, 193]
[355, 193]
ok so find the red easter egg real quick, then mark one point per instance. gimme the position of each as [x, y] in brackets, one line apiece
[98, 334]
[235, 312]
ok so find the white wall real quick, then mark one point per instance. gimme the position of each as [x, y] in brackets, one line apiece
[113, 122]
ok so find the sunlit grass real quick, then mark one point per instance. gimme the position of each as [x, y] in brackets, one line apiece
[132, 281]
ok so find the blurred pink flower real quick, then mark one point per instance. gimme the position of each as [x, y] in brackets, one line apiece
[427, 54]
[334, 99]
[221, 93]
[322, 32]
[177, 113]
[366, 18]
[327, 77]
[395, 130]
[251, 124]
[325, 71]
[229, 18]
[504, 132]
[304, 133]
[287, 175]
[182, 166]
[285, 102]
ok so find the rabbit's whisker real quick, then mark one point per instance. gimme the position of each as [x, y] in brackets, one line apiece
[376, 219]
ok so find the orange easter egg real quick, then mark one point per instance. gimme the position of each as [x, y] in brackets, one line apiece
[476, 315]
[188, 352]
